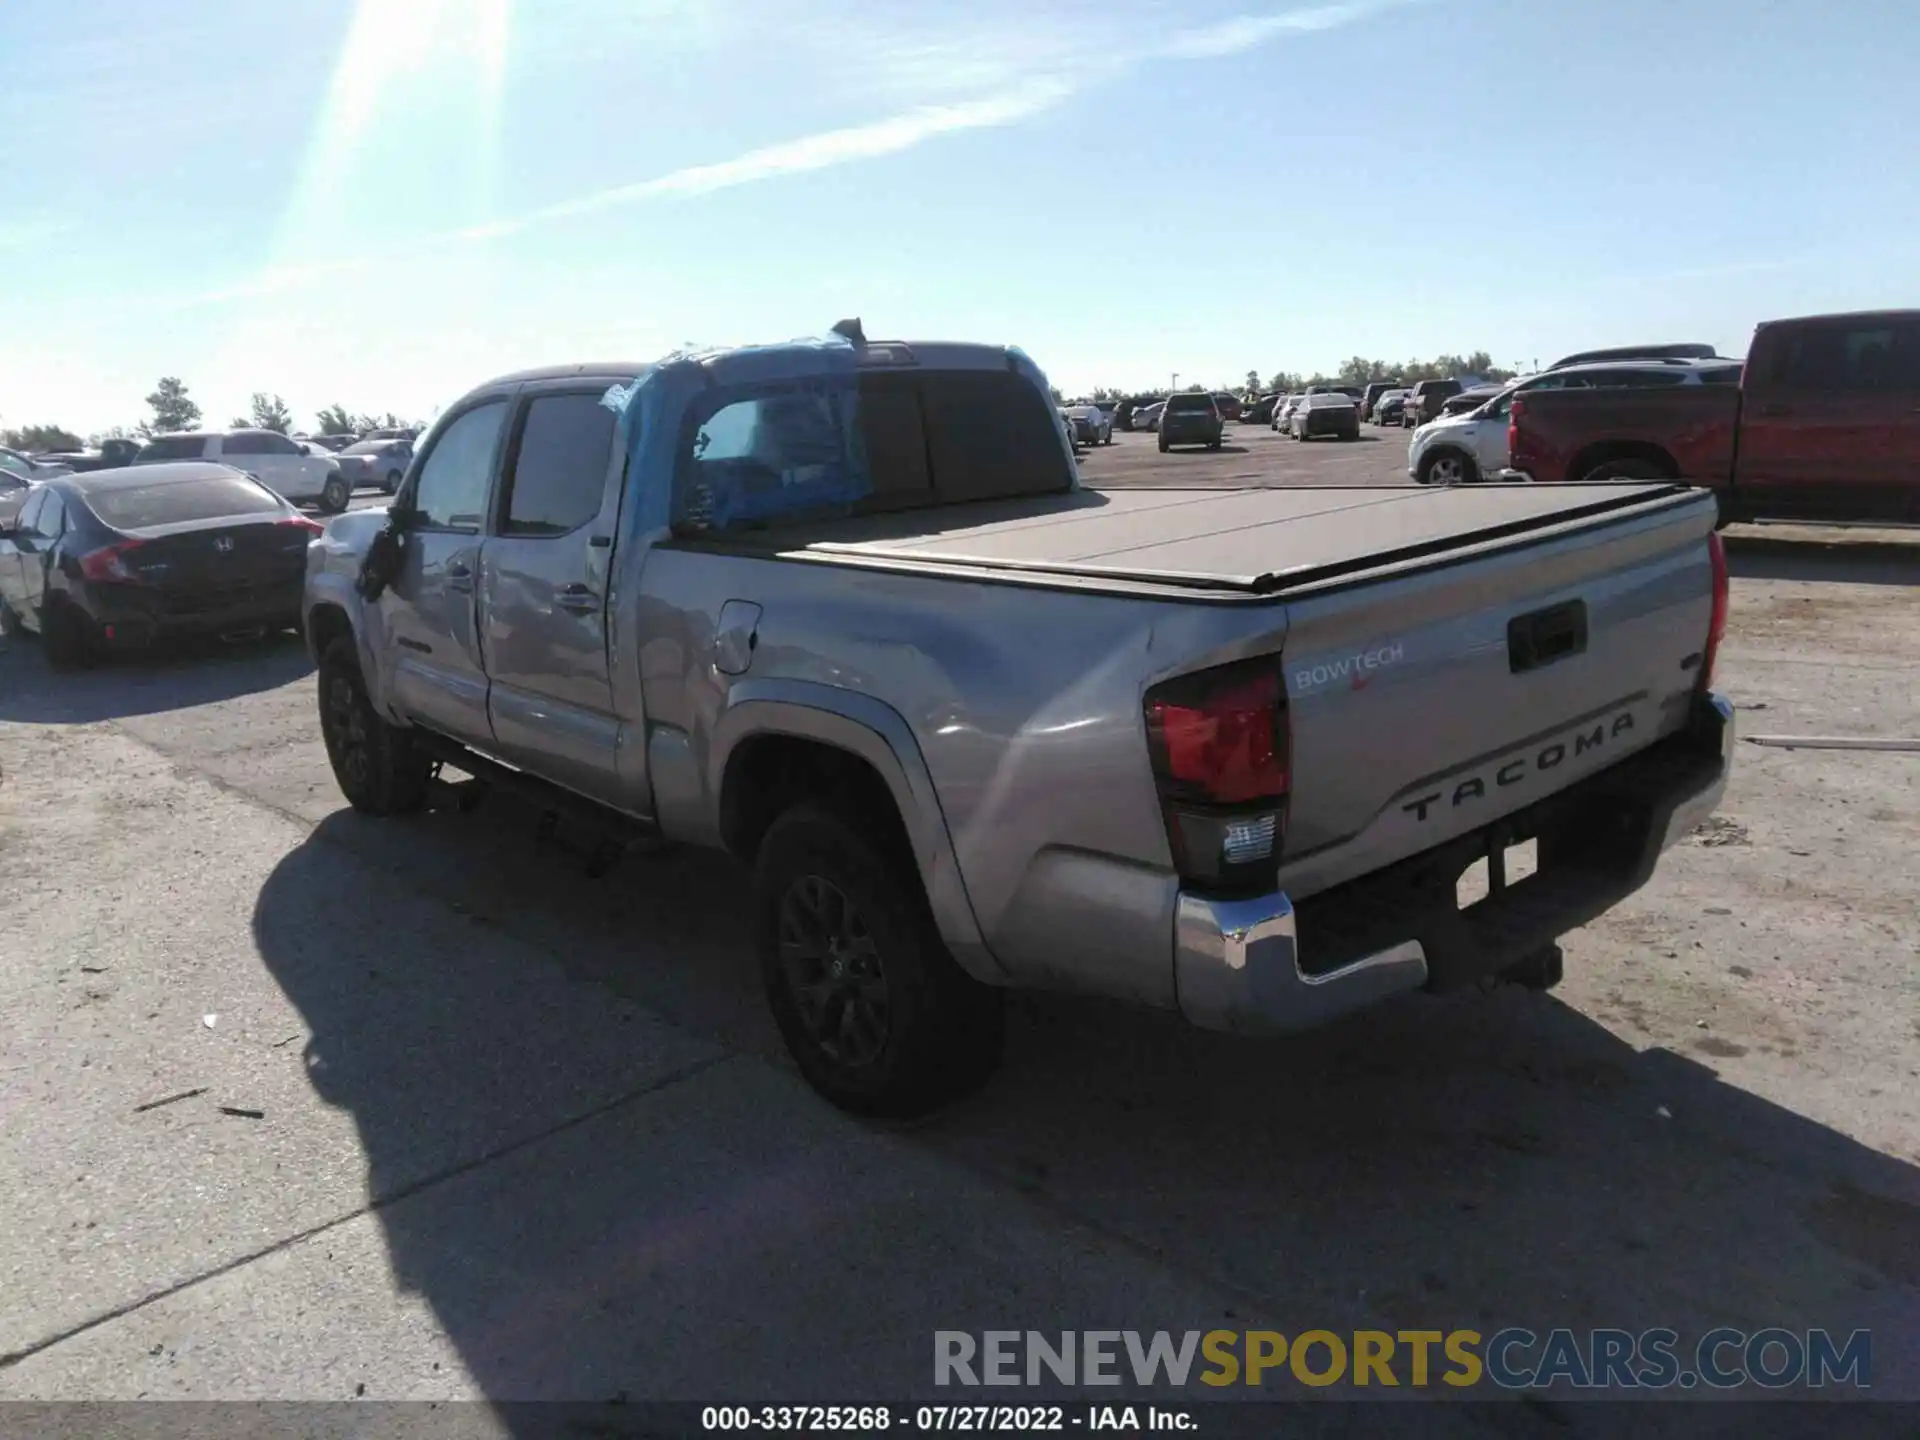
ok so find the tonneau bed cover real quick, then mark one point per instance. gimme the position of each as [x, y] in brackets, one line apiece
[1250, 542]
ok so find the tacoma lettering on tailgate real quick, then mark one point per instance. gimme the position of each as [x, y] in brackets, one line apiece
[1523, 767]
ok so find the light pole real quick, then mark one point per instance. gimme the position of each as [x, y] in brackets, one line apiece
[1176, 383]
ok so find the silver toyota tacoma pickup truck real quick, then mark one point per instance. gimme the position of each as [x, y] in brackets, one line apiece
[845, 609]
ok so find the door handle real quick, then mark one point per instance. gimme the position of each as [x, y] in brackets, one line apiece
[460, 578]
[577, 598]
[1776, 409]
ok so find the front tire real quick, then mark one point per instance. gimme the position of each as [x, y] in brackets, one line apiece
[1447, 467]
[9, 622]
[391, 484]
[875, 1012]
[376, 764]
[1163, 444]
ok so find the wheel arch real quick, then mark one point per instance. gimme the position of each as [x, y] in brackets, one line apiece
[1603, 452]
[779, 741]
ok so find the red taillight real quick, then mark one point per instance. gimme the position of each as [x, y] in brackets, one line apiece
[109, 563]
[1722, 594]
[1514, 412]
[1220, 749]
[312, 527]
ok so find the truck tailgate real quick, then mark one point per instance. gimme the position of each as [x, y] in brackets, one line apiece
[1428, 703]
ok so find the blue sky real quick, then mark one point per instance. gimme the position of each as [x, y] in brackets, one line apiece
[383, 202]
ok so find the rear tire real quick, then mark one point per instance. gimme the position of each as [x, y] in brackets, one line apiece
[391, 484]
[377, 765]
[335, 495]
[9, 622]
[64, 634]
[875, 1012]
[1163, 444]
[1633, 467]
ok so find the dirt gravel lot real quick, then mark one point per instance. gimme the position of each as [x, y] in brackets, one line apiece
[1251, 455]
[492, 1129]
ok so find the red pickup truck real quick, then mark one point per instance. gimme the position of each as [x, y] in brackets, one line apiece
[1824, 425]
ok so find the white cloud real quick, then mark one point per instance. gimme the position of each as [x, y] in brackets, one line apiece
[27, 232]
[812, 152]
[1042, 88]
[1244, 32]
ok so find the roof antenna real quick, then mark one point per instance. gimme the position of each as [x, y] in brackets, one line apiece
[850, 330]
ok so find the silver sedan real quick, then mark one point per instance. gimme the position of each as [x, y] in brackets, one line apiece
[376, 462]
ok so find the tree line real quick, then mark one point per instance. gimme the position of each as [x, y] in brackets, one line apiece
[1358, 370]
[173, 408]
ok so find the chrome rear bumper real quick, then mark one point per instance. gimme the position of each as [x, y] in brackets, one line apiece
[1237, 967]
[1236, 963]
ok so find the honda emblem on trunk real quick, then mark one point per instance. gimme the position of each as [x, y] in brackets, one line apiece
[223, 544]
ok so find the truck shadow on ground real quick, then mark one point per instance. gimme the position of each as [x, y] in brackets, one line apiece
[177, 677]
[1473, 1161]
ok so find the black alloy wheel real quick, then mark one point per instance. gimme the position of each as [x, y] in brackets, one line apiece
[834, 972]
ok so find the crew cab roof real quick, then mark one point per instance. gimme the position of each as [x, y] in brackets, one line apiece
[746, 363]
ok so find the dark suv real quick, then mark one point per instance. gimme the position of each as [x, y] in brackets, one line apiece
[1370, 397]
[1425, 401]
[1190, 419]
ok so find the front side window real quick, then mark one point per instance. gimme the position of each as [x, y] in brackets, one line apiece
[560, 468]
[451, 493]
[174, 447]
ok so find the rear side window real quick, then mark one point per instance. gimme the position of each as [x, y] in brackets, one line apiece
[765, 456]
[560, 465]
[1640, 379]
[992, 435]
[451, 493]
[897, 440]
[1874, 357]
[212, 497]
[174, 447]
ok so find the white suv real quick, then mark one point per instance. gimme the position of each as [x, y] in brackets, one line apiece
[284, 467]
